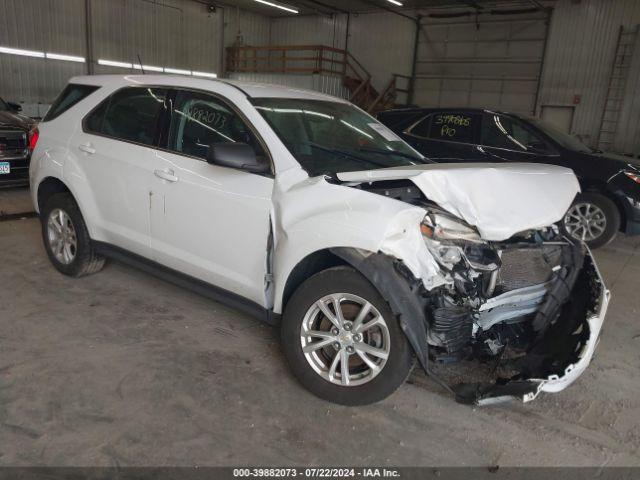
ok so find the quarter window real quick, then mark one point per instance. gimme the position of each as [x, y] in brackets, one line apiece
[500, 131]
[199, 120]
[71, 95]
[130, 114]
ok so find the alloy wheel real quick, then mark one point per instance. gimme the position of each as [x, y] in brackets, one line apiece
[62, 236]
[345, 339]
[585, 221]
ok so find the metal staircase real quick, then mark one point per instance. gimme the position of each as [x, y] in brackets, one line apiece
[617, 85]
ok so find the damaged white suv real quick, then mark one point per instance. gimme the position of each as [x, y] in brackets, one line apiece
[305, 210]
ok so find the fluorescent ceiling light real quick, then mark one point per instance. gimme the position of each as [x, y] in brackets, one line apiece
[24, 53]
[177, 71]
[147, 68]
[395, 2]
[111, 63]
[275, 5]
[205, 74]
[68, 58]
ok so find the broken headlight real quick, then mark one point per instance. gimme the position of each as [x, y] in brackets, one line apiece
[452, 240]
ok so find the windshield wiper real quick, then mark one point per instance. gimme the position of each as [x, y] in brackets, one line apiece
[346, 153]
[382, 151]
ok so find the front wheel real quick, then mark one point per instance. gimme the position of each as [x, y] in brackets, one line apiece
[342, 341]
[593, 218]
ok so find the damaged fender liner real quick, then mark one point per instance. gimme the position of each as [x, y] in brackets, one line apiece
[399, 288]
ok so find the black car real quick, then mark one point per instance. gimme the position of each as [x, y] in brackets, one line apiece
[610, 198]
[15, 135]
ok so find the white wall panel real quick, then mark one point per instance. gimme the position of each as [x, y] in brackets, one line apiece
[169, 33]
[331, 85]
[383, 43]
[579, 57]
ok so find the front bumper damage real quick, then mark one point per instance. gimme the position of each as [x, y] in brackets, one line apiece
[563, 351]
[567, 323]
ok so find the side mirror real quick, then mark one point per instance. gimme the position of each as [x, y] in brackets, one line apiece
[16, 107]
[236, 155]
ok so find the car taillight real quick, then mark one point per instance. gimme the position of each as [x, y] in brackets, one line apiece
[633, 176]
[34, 135]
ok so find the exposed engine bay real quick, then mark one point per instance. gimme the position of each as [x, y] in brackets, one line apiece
[523, 303]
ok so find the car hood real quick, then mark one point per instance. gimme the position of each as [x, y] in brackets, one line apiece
[499, 200]
[15, 120]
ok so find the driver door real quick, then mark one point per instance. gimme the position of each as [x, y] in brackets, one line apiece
[207, 221]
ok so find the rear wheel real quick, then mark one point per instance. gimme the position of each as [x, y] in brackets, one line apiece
[66, 238]
[593, 218]
[342, 341]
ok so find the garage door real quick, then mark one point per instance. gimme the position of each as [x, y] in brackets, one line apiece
[488, 61]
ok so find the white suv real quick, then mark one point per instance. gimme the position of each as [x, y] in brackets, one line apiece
[306, 211]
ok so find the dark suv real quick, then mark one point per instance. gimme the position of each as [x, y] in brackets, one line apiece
[15, 133]
[610, 198]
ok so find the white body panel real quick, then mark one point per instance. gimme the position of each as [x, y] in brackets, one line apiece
[308, 214]
[499, 199]
[211, 223]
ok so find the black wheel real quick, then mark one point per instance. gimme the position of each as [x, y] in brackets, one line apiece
[593, 218]
[66, 238]
[342, 341]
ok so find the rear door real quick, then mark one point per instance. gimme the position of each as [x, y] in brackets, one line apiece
[447, 136]
[115, 148]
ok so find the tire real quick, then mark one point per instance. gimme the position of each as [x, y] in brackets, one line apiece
[76, 262]
[367, 385]
[605, 222]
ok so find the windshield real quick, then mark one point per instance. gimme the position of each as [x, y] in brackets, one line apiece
[3, 106]
[567, 141]
[328, 137]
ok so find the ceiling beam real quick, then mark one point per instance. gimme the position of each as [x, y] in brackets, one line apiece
[388, 9]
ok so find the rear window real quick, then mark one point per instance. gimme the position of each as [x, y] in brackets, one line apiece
[71, 95]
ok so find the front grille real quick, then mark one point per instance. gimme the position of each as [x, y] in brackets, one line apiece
[523, 267]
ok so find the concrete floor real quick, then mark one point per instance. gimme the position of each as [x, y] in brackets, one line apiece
[121, 368]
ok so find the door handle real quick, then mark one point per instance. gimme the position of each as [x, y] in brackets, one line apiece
[87, 148]
[166, 175]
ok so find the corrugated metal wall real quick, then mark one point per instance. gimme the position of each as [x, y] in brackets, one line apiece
[382, 42]
[328, 84]
[43, 25]
[171, 33]
[579, 57]
[167, 33]
[487, 61]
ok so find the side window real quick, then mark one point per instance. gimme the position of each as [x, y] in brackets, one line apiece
[71, 95]
[500, 131]
[421, 129]
[129, 114]
[199, 120]
[454, 127]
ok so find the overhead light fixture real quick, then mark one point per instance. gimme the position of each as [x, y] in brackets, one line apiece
[177, 71]
[275, 5]
[19, 51]
[395, 2]
[147, 68]
[68, 58]
[204, 74]
[111, 63]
